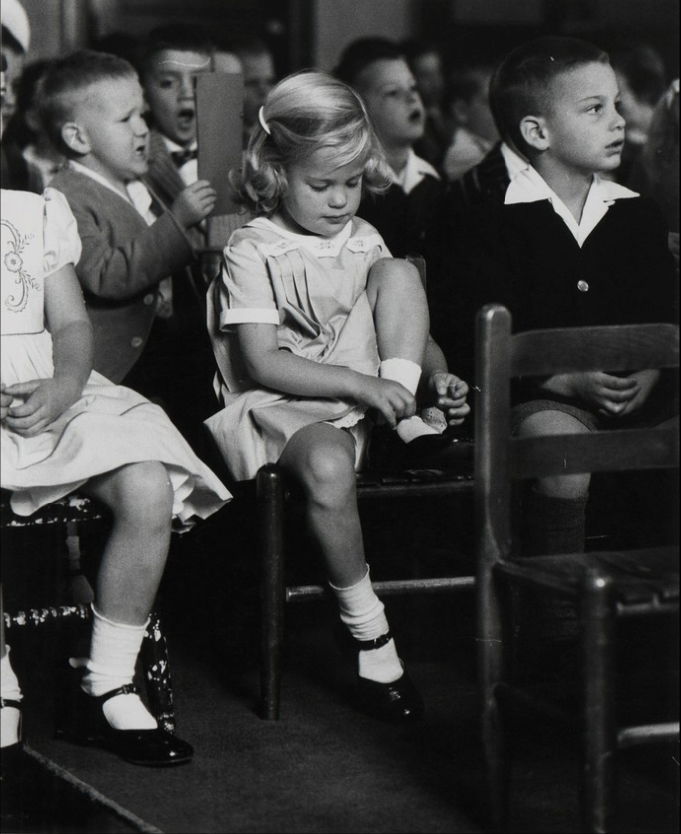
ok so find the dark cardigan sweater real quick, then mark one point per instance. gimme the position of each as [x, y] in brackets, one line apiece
[525, 257]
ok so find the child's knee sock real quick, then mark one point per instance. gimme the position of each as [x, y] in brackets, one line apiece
[363, 613]
[113, 654]
[10, 717]
[407, 373]
[554, 525]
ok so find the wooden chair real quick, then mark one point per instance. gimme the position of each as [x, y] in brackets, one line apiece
[67, 515]
[607, 585]
[273, 494]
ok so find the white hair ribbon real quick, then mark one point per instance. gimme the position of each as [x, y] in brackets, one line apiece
[263, 123]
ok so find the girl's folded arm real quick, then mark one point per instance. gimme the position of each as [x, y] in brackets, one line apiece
[283, 371]
[69, 324]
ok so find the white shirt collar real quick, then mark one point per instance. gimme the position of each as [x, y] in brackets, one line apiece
[528, 186]
[413, 172]
[319, 246]
[135, 192]
[173, 146]
[189, 171]
[514, 162]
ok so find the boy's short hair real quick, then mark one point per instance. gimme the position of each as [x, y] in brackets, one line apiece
[60, 89]
[520, 85]
[363, 52]
[304, 112]
[246, 45]
[176, 36]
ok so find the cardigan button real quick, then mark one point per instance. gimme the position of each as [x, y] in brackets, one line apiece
[137, 341]
[149, 298]
[582, 286]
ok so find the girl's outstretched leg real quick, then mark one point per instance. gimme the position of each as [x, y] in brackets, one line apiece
[140, 498]
[322, 458]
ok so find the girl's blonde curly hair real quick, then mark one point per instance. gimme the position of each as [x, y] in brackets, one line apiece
[306, 111]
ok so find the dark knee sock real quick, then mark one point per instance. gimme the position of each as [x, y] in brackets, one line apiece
[552, 525]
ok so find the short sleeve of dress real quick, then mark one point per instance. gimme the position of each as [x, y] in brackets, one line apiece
[246, 294]
[61, 243]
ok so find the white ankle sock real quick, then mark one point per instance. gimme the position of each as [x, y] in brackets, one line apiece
[113, 653]
[407, 373]
[364, 615]
[10, 717]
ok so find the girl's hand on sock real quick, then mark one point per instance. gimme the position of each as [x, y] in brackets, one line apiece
[194, 203]
[5, 402]
[386, 396]
[44, 401]
[450, 394]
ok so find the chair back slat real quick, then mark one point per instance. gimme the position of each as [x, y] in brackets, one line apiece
[603, 451]
[501, 356]
[492, 416]
[623, 347]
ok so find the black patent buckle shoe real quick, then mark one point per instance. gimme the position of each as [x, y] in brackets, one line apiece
[88, 725]
[398, 702]
[447, 451]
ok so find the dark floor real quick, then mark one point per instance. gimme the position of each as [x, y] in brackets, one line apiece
[323, 767]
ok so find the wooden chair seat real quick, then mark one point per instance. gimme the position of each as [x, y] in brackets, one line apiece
[643, 579]
[74, 507]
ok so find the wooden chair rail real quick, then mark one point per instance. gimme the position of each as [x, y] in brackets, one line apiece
[616, 348]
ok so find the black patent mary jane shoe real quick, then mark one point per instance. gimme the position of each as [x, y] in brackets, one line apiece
[445, 451]
[88, 725]
[398, 702]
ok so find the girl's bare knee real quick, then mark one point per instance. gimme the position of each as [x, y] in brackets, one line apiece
[402, 275]
[144, 490]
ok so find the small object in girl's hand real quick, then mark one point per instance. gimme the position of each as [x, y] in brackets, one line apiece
[475, 388]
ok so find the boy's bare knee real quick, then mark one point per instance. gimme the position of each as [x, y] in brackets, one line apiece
[551, 422]
[557, 422]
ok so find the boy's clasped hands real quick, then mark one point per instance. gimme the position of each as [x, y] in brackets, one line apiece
[611, 395]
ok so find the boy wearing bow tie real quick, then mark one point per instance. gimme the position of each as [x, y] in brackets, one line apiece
[171, 59]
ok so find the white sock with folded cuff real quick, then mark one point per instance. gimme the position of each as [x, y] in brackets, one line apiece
[364, 615]
[114, 648]
[407, 373]
[10, 717]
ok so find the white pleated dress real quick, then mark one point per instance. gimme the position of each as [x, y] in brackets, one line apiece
[110, 425]
[314, 290]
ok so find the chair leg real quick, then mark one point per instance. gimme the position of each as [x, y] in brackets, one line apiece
[270, 500]
[492, 662]
[154, 657]
[600, 728]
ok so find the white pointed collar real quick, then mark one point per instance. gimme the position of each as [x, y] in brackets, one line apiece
[528, 186]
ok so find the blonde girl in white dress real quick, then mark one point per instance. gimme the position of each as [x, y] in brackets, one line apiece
[65, 427]
[314, 326]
